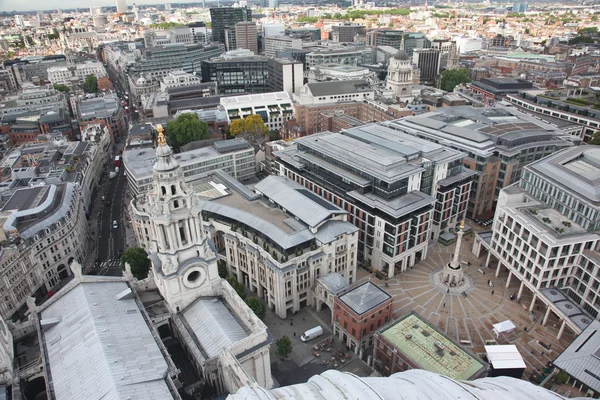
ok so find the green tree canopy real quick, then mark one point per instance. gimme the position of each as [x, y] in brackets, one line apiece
[258, 306]
[581, 39]
[166, 25]
[138, 259]
[251, 125]
[283, 346]
[222, 266]
[595, 139]
[452, 78]
[185, 129]
[237, 286]
[90, 85]
[61, 88]
[307, 19]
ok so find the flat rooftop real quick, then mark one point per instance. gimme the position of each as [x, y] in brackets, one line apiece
[371, 158]
[430, 349]
[364, 297]
[577, 169]
[100, 346]
[25, 199]
[213, 325]
[339, 87]
[478, 129]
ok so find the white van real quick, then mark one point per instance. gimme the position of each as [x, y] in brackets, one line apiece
[311, 334]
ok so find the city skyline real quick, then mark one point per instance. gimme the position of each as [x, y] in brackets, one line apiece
[28, 6]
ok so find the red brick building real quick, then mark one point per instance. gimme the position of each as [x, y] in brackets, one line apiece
[359, 312]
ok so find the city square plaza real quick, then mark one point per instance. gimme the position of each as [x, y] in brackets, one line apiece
[467, 312]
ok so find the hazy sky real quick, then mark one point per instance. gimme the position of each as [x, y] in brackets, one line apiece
[27, 5]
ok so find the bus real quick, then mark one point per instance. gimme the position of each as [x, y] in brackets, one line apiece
[117, 161]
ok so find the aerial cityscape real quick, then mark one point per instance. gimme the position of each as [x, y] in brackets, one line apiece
[300, 200]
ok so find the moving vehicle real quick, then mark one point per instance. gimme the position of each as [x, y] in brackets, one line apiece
[112, 174]
[115, 224]
[312, 333]
[117, 161]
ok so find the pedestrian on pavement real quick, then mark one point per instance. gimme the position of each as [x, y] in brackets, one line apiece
[492, 292]
[444, 304]
[448, 291]
[294, 334]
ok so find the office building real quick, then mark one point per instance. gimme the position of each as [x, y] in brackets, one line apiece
[274, 108]
[105, 109]
[313, 118]
[159, 61]
[273, 29]
[178, 79]
[520, 7]
[580, 358]
[19, 22]
[326, 73]
[26, 126]
[285, 75]
[334, 92]
[358, 313]
[278, 261]
[246, 36]
[45, 228]
[235, 157]
[121, 6]
[399, 196]
[499, 142]
[497, 88]
[227, 17]
[386, 37]
[545, 235]
[247, 74]
[347, 32]
[306, 33]
[412, 342]
[348, 55]
[75, 74]
[428, 61]
[531, 101]
[415, 383]
[178, 35]
[34, 98]
[274, 43]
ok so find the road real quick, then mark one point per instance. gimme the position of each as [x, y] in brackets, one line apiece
[111, 240]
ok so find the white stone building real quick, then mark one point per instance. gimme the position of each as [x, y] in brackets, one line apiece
[334, 92]
[178, 79]
[46, 229]
[275, 108]
[93, 160]
[545, 233]
[213, 323]
[400, 76]
[274, 43]
[75, 73]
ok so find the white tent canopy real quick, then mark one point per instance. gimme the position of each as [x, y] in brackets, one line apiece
[504, 356]
[502, 327]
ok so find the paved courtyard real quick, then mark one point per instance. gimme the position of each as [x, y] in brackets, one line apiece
[469, 319]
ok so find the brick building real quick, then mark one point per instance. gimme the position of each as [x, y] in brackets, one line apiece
[311, 116]
[413, 342]
[359, 312]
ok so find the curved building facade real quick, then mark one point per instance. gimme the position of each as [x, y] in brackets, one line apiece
[413, 384]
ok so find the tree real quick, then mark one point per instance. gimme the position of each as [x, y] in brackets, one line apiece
[90, 85]
[283, 347]
[452, 78]
[581, 39]
[595, 138]
[561, 378]
[251, 125]
[166, 25]
[258, 306]
[61, 88]
[185, 129]
[222, 265]
[138, 259]
[237, 286]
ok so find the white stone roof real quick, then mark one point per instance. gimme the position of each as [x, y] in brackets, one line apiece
[213, 325]
[414, 384]
[101, 347]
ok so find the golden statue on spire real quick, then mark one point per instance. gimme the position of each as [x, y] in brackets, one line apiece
[161, 137]
[462, 225]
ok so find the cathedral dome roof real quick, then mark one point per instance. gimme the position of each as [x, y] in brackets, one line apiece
[401, 55]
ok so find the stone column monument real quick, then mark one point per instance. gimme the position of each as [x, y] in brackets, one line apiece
[452, 274]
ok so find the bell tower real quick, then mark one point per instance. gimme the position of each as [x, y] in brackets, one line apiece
[184, 259]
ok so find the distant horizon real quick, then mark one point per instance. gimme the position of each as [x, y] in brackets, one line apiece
[35, 5]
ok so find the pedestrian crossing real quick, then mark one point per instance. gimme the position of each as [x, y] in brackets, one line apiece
[110, 267]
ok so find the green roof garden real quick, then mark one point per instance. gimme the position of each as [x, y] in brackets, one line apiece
[430, 349]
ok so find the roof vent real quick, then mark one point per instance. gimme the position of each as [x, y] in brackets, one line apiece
[125, 294]
[48, 323]
[439, 346]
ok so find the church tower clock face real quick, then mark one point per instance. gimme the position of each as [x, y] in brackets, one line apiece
[194, 277]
